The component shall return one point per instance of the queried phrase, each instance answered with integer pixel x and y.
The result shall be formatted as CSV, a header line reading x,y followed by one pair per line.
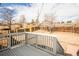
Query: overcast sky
x,y
62,12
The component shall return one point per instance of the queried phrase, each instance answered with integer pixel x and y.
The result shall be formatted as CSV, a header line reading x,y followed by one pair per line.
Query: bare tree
x,y
49,18
33,21
49,21
7,14
22,20
39,13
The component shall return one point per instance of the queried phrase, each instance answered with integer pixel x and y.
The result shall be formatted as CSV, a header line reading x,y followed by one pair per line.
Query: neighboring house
x,y
15,27
3,29
29,27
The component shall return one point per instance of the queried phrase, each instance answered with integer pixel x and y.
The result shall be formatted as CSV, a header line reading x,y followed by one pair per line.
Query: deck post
x,y
36,41
26,39
54,45
57,48
9,41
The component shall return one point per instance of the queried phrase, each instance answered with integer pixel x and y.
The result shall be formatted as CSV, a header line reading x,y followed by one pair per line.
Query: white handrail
x,y
47,41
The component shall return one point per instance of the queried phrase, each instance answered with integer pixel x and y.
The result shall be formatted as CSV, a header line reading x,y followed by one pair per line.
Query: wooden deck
x,y
30,44
25,50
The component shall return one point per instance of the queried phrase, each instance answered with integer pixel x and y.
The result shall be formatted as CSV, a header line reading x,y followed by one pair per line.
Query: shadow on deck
x,y
25,50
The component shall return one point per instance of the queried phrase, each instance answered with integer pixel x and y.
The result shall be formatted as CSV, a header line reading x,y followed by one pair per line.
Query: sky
x,y
61,11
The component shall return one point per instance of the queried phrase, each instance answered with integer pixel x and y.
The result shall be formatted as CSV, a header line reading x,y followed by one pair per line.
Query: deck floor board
x,y
24,51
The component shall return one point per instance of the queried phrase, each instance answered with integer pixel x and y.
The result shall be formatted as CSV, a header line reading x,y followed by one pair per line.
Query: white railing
x,y
45,42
